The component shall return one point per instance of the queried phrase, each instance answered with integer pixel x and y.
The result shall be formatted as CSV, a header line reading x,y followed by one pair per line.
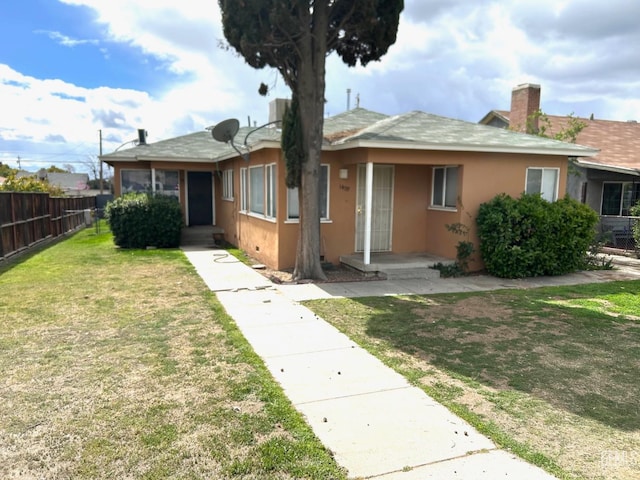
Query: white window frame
x,y
292,200
270,180
227,185
244,190
447,173
543,187
159,181
144,187
267,192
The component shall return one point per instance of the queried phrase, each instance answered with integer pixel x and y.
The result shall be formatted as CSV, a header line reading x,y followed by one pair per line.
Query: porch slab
x,y
201,236
396,266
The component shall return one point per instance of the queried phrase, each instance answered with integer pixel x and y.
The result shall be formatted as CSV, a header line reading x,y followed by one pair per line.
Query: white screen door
x,y
382,208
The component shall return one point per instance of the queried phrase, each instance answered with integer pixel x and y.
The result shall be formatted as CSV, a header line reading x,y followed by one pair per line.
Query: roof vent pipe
x,y
142,136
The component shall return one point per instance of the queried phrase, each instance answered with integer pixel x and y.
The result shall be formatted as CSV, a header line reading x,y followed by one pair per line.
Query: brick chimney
x,y
525,101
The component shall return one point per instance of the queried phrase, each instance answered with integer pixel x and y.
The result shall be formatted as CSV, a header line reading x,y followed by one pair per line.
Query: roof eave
x,y
609,168
151,158
493,114
568,152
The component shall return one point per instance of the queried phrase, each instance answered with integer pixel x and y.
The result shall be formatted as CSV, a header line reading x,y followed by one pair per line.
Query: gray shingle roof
x,y
428,131
194,147
361,128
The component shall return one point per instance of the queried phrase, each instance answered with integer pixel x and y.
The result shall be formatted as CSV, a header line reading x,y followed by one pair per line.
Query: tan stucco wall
x,y
256,236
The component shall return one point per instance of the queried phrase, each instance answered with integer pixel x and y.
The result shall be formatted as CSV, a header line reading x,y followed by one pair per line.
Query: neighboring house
x,y
415,173
74,184
608,182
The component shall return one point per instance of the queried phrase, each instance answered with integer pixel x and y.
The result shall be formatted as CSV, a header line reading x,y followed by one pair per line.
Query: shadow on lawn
x,y
575,358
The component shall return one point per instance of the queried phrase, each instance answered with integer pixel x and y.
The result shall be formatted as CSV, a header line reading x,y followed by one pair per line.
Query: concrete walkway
x,y
376,423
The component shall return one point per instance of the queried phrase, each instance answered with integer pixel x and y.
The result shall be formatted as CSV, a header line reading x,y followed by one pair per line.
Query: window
x,y
256,190
293,207
262,190
243,190
619,197
135,181
444,191
270,188
160,182
227,185
167,183
543,181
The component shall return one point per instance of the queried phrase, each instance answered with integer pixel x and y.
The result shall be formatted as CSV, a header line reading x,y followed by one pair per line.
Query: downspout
x,y
367,212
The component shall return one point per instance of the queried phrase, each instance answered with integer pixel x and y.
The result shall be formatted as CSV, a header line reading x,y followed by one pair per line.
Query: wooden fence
x,y
27,219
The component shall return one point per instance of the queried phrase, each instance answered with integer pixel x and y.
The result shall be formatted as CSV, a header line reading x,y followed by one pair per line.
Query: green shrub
x,y
529,236
140,220
464,250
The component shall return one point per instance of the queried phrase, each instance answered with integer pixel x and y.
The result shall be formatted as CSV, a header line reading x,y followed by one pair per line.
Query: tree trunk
x,y
310,92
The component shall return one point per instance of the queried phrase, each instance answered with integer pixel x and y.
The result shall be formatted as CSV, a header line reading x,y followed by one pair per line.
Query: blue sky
x,y
49,39
69,68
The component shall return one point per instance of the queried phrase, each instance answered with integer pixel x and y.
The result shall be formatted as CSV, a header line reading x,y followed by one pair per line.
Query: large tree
x,y
295,37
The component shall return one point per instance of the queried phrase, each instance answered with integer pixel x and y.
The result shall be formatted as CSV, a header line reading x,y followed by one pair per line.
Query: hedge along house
x,y
389,184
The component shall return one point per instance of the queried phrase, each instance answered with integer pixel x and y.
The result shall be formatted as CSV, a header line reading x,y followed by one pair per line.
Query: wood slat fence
x,y
27,219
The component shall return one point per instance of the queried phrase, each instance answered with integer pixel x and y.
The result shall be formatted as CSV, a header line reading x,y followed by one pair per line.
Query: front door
x,y
382,208
200,198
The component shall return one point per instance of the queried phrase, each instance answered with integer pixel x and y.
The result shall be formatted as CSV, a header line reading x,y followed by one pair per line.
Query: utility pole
x,y
100,160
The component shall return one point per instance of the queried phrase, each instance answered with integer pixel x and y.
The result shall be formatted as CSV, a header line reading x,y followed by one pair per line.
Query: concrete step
x,y
411,273
200,236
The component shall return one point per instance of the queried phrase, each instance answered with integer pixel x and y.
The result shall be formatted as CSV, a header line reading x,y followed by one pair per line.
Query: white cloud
x,y
65,40
186,37
452,57
30,102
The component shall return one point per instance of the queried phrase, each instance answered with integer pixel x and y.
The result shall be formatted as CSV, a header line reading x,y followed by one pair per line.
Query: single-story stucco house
x,y
420,172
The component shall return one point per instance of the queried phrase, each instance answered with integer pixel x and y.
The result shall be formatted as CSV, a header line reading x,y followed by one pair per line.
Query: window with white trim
x,y
167,183
543,181
293,207
619,197
444,187
262,190
244,194
135,181
227,185
256,190
270,190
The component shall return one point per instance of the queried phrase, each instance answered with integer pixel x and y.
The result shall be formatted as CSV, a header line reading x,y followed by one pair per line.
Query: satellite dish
x,y
226,130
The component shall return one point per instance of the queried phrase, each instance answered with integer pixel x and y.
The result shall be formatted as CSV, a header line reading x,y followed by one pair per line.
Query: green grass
x,y
121,364
552,374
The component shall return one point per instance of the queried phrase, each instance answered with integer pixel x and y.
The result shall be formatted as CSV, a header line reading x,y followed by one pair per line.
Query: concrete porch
x,y
395,266
201,236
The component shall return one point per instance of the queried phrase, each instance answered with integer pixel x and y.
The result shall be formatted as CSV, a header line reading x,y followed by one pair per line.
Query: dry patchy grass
x,y
120,364
551,373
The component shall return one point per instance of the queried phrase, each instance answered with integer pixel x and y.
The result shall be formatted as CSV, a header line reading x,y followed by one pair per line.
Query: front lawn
x,y
121,364
552,373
